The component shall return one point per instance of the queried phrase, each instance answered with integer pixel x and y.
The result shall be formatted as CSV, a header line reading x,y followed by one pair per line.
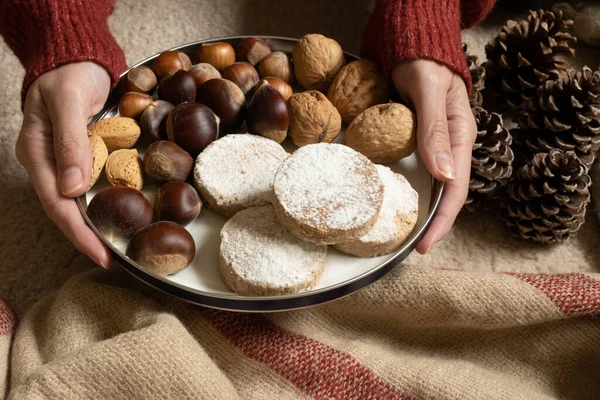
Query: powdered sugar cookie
x,y
396,220
236,172
327,193
259,257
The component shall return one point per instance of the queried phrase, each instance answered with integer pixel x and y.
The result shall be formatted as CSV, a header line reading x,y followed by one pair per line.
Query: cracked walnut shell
x,y
385,133
358,86
313,119
317,60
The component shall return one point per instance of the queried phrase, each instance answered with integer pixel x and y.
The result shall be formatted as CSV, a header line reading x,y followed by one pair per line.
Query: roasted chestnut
x,y
153,121
279,65
242,74
118,212
139,79
252,50
192,126
220,54
178,202
170,61
165,161
226,100
282,87
267,114
163,248
133,104
177,88
203,72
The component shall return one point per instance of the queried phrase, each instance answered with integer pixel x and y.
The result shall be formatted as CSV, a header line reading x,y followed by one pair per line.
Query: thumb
x,y
433,138
69,116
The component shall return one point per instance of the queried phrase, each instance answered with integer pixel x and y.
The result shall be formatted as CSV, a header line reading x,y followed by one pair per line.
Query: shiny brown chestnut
x,y
178,202
118,212
279,65
163,248
267,114
219,54
133,104
203,72
242,74
226,100
282,87
177,88
168,61
192,126
153,121
139,79
252,50
165,161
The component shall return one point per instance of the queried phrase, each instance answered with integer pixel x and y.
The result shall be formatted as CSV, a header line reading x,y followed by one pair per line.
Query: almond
x,y
117,132
124,168
99,156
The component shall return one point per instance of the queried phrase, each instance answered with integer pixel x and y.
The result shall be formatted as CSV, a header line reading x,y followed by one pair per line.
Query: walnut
x,y
385,133
317,60
313,119
358,86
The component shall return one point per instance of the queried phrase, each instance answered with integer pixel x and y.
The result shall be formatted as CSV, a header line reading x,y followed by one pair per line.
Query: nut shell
x,y
268,114
177,88
252,50
282,87
133,104
385,133
313,119
203,72
226,100
124,168
99,156
192,126
317,60
279,65
170,61
219,54
139,79
116,132
358,86
243,74
165,161
178,202
153,121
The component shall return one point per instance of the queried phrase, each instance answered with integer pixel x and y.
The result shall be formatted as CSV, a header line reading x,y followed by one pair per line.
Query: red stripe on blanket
x,y
574,294
7,319
316,369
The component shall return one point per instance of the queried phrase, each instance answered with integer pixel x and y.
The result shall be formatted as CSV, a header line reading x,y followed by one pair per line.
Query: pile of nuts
x,y
178,108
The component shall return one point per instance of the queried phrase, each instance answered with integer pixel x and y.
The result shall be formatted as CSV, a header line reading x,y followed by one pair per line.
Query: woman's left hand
x,y
446,131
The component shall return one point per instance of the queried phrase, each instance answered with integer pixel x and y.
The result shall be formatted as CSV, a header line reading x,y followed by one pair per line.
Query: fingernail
x,y
72,179
444,165
101,262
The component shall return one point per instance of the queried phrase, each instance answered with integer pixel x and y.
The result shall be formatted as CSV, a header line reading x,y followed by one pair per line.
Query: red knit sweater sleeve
x,y
401,30
45,34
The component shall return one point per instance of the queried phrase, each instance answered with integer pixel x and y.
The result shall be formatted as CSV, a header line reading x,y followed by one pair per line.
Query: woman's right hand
x,y
54,148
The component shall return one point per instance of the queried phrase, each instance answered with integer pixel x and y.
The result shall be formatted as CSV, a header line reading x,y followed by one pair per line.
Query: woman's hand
x,y
54,148
445,134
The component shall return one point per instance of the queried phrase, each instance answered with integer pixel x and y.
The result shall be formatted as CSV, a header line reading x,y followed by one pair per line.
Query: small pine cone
x,y
548,197
527,53
491,160
565,114
477,78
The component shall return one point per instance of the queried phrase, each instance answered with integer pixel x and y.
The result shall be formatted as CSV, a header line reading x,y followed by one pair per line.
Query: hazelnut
x,y
177,87
385,133
317,60
153,121
252,50
193,126
313,119
139,79
124,168
242,74
133,104
165,161
279,65
358,86
163,248
178,202
220,54
282,87
116,132
226,100
99,156
268,114
203,72
118,212
170,61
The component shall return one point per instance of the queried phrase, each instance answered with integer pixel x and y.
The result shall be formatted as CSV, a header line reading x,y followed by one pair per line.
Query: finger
x,y
432,133
37,156
71,144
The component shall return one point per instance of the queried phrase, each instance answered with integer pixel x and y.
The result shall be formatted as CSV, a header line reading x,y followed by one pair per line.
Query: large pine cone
x,y
548,197
527,53
565,114
477,72
491,160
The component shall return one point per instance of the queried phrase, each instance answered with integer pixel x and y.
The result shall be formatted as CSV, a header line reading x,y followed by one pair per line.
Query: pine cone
x,y
527,53
477,77
565,114
548,197
491,160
